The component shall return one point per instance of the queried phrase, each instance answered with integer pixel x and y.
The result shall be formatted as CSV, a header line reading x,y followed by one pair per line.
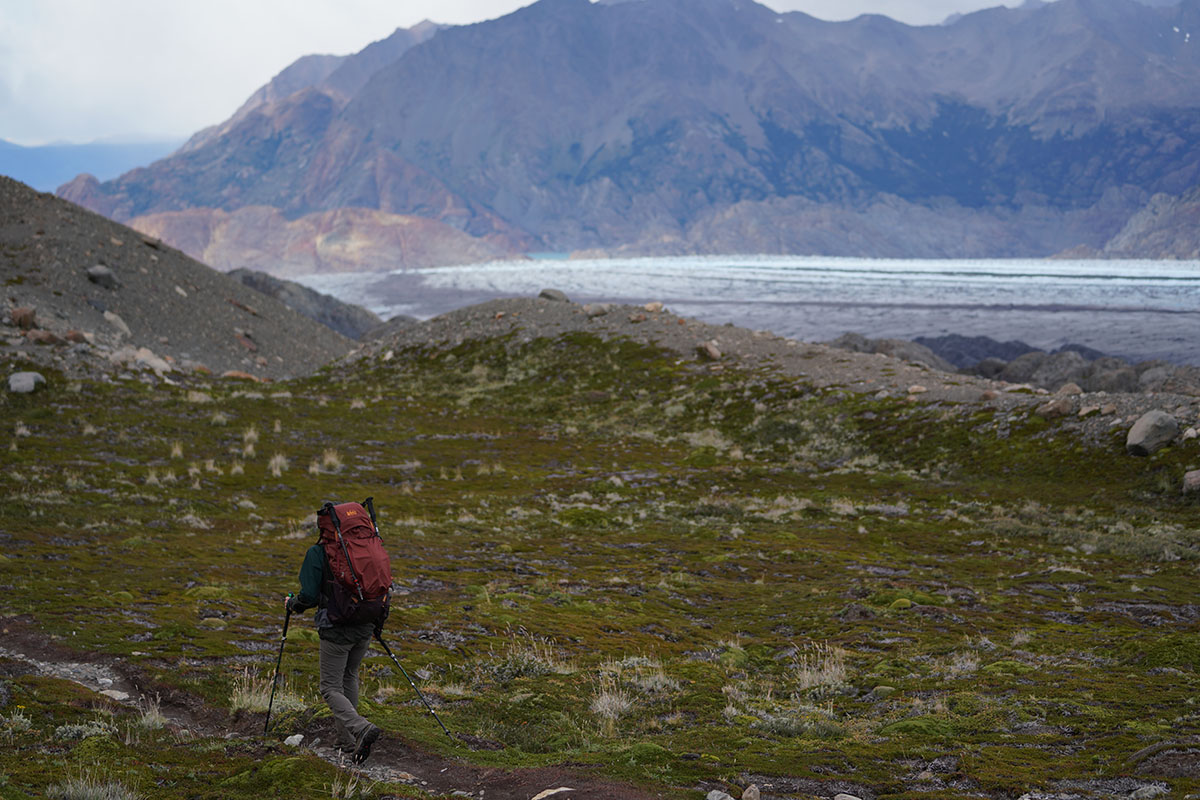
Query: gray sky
x,y
82,70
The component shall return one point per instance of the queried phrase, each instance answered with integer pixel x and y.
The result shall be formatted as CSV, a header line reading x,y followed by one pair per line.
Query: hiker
x,y
343,575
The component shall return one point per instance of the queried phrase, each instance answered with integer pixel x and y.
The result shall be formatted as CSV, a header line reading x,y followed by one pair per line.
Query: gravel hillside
x,y
1093,414
85,294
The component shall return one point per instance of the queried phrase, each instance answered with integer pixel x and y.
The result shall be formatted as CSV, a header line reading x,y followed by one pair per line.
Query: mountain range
x,y
45,167
701,126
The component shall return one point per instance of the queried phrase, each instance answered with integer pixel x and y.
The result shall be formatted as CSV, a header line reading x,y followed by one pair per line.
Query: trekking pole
x,y
396,661
275,682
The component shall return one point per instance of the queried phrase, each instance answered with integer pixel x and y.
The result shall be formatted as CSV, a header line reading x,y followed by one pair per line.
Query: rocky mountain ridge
x,y
664,126
349,320
89,296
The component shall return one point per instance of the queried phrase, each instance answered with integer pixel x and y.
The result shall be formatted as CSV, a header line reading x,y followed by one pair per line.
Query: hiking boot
x,y
364,744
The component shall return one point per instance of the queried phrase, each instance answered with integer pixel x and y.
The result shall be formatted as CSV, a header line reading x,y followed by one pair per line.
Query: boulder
x,y
596,309
913,352
1123,379
1060,406
1022,368
103,276
896,348
854,342
1070,389
122,356
1154,379
751,792
554,295
23,317
708,350
717,794
43,337
145,357
1059,369
1144,366
115,320
990,367
25,382
1153,431
1191,482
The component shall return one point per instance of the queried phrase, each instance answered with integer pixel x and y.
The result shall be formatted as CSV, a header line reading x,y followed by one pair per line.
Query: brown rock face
x,y
346,240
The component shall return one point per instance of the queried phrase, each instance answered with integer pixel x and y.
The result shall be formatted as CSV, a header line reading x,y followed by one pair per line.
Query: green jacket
x,y
312,583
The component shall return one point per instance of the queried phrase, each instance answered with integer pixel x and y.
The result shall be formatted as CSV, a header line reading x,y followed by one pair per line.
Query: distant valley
x,y
664,127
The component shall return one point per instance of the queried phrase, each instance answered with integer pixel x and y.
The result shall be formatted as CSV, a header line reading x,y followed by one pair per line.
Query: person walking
x,y
344,642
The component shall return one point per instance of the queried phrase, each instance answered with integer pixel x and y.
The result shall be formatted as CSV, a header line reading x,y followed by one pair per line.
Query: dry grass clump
x,y
89,785
176,449
152,717
331,460
642,673
785,505
346,785
961,664
219,418
252,692
822,665
278,465
843,507
610,703
526,656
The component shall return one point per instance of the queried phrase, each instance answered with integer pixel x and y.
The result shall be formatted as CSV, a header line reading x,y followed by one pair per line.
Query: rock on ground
x,y
25,382
1153,431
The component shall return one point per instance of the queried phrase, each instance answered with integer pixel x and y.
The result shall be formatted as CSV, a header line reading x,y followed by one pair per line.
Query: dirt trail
x,y
393,760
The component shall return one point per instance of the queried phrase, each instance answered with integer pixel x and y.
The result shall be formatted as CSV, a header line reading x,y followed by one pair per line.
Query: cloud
x,y
80,69
912,12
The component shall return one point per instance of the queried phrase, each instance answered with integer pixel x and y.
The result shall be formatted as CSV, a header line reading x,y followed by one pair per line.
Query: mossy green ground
x,y
609,557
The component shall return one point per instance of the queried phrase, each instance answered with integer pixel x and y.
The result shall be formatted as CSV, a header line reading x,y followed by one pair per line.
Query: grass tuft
x,y
278,465
89,785
252,692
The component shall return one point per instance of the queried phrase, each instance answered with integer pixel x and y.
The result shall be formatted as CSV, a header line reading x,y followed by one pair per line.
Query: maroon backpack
x,y
360,582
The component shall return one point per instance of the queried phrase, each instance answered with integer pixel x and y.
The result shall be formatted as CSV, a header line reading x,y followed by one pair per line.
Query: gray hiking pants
x,y
339,687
